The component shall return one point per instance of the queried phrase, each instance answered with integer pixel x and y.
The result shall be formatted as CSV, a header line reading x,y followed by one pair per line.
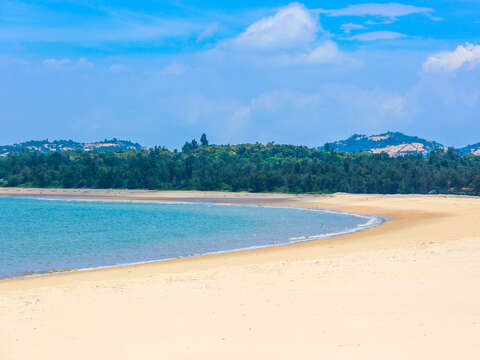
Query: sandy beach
x,y
408,289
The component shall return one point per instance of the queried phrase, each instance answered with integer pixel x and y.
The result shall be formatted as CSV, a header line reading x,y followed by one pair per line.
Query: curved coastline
x,y
347,297
341,244
372,222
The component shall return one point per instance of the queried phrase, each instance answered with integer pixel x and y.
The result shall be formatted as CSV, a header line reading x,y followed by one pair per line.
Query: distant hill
x,y
470,149
45,146
393,143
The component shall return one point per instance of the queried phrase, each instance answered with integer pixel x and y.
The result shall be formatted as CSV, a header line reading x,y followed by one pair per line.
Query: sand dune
x,y
407,289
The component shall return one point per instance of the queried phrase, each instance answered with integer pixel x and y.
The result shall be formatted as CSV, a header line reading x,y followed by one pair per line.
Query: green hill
x,y
45,146
470,149
393,143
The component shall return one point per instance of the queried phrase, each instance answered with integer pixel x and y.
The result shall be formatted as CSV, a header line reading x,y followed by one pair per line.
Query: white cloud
x,y
82,63
52,62
347,28
291,27
377,35
390,10
292,35
326,52
208,32
381,22
453,60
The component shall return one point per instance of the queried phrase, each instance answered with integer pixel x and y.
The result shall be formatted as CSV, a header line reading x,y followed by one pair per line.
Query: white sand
x,y
409,289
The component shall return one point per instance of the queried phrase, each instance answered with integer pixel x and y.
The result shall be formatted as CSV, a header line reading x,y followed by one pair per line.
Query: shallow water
x,y
38,236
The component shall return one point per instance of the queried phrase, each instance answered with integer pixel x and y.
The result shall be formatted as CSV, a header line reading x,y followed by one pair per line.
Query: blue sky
x,y
161,72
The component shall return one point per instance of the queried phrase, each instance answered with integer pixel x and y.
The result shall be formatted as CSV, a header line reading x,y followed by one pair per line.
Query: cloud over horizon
x,y
377,35
82,63
348,28
449,61
290,27
292,35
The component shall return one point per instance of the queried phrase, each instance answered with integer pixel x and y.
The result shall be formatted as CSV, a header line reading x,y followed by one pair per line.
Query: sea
x,y
39,236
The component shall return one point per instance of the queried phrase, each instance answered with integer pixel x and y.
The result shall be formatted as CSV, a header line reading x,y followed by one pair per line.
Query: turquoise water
x,y
37,236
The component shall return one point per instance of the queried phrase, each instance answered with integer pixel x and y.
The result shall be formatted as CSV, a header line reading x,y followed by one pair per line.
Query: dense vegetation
x,y
249,167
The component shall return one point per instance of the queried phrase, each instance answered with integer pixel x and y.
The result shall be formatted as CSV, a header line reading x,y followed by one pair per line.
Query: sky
x,y
163,72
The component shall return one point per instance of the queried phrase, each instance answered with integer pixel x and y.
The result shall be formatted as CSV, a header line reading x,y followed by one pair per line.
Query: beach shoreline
x,y
371,222
393,271
221,198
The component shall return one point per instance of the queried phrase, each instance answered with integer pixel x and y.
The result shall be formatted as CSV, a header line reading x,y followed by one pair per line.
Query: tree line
x,y
246,167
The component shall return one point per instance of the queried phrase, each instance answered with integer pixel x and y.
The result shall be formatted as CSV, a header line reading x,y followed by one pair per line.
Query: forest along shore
x,y
247,167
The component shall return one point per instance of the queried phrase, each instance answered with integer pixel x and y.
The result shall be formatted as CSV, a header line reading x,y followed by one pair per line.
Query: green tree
x,y
204,140
476,185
